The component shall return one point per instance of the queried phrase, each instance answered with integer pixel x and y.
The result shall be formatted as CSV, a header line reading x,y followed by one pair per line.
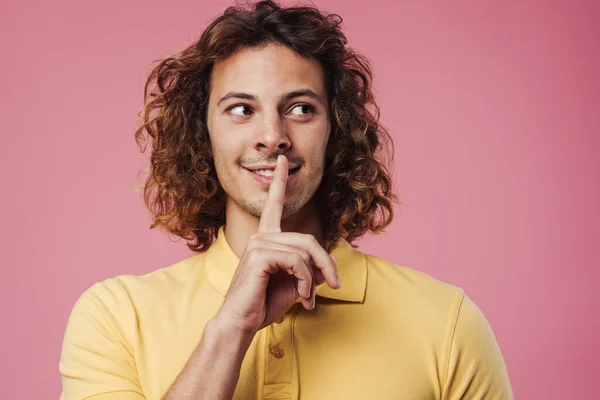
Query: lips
x,y
269,171
265,175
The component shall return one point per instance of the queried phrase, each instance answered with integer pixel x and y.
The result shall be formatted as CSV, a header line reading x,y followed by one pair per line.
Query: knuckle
x,y
312,241
298,260
276,200
251,245
255,243
305,256
254,254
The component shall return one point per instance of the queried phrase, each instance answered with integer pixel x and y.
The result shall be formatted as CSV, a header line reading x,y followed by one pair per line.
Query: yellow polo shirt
x,y
390,332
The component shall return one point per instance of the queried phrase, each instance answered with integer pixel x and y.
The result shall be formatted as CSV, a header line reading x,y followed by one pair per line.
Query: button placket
x,y
280,360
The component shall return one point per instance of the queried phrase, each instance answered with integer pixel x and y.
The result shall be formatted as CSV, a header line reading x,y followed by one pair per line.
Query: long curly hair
x,y
182,191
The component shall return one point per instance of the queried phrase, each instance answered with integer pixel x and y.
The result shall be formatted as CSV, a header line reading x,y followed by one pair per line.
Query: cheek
x,y
316,145
223,135
221,156
226,145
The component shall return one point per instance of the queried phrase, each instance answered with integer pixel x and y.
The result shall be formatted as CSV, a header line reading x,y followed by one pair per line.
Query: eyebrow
x,y
284,97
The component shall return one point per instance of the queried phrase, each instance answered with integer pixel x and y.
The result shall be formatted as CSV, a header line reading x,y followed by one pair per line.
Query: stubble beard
x,y
255,207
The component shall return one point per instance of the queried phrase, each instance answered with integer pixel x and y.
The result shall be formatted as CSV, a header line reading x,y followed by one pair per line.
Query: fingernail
x,y
339,281
313,304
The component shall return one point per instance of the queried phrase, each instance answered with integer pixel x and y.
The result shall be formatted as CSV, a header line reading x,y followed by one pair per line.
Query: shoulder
x,y
123,295
103,328
415,298
404,284
473,365
163,280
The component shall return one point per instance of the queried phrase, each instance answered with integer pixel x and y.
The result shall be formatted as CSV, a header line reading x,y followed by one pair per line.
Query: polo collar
x,y
221,263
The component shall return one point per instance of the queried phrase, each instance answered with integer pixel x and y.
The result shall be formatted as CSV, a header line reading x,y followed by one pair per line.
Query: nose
x,y
273,137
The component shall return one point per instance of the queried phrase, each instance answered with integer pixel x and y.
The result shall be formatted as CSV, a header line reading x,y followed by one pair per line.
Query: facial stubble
x,y
255,207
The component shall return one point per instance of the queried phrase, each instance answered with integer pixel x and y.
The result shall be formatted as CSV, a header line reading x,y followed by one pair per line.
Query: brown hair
x,y
182,191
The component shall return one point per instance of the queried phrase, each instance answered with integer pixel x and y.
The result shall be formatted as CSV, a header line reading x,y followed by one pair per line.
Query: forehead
x,y
267,71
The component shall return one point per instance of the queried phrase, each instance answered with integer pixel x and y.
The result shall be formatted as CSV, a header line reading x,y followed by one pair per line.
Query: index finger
x,y
270,219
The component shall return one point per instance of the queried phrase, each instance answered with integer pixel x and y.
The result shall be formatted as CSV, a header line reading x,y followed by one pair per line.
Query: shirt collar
x,y
221,263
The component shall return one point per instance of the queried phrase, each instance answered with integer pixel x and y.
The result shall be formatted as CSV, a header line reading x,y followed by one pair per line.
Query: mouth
x,y
269,172
266,175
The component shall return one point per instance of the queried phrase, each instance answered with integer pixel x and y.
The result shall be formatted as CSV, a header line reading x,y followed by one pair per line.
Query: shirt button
x,y
277,352
280,320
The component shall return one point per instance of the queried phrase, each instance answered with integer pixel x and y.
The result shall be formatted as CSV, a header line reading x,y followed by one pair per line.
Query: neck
x,y
240,225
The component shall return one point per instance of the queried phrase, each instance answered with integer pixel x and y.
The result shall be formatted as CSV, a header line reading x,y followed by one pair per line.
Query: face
x,y
265,102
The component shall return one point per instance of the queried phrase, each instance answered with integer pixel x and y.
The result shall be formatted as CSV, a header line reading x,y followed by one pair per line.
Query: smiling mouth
x,y
268,173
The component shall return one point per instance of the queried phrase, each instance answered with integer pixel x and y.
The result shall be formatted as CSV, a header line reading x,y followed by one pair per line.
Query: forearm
x,y
213,369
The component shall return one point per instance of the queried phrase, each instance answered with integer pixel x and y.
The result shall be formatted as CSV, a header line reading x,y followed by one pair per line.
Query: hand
x,y
276,268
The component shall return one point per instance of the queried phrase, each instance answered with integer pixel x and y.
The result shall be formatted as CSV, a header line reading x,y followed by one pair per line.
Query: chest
x,y
295,359
329,354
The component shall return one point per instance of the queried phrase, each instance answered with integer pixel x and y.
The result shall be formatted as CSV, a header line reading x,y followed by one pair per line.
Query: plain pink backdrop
x,y
494,109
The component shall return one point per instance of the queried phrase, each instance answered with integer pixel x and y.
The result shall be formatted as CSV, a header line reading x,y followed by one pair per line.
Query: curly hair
x,y
182,191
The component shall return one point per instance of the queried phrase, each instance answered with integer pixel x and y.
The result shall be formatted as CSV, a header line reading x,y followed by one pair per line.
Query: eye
x,y
302,109
240,110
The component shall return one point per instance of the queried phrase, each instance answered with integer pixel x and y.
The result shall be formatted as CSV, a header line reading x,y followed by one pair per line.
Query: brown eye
x,y
241,110
302,109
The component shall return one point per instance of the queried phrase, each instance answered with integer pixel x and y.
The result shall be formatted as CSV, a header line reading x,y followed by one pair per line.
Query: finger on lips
x,y
270,219
317,266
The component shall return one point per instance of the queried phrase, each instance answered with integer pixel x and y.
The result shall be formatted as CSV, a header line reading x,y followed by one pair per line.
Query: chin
x,y
255,207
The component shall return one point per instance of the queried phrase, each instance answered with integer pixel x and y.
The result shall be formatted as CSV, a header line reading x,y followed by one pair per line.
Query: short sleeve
x,y
97,360
476,368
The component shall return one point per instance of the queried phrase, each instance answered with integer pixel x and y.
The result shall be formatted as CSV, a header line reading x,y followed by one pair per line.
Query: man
x,y
264,153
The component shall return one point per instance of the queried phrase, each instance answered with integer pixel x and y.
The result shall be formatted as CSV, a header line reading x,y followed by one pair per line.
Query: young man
x,y
264,142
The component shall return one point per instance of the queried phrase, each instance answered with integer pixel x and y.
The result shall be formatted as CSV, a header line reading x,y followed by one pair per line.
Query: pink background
x,y
495,113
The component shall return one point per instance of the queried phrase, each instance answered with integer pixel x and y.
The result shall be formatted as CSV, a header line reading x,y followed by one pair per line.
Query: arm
x,y
217,359
476,368
299,264
97,360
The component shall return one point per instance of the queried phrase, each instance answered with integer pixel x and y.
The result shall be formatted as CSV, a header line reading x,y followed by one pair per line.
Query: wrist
x,y
230,330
